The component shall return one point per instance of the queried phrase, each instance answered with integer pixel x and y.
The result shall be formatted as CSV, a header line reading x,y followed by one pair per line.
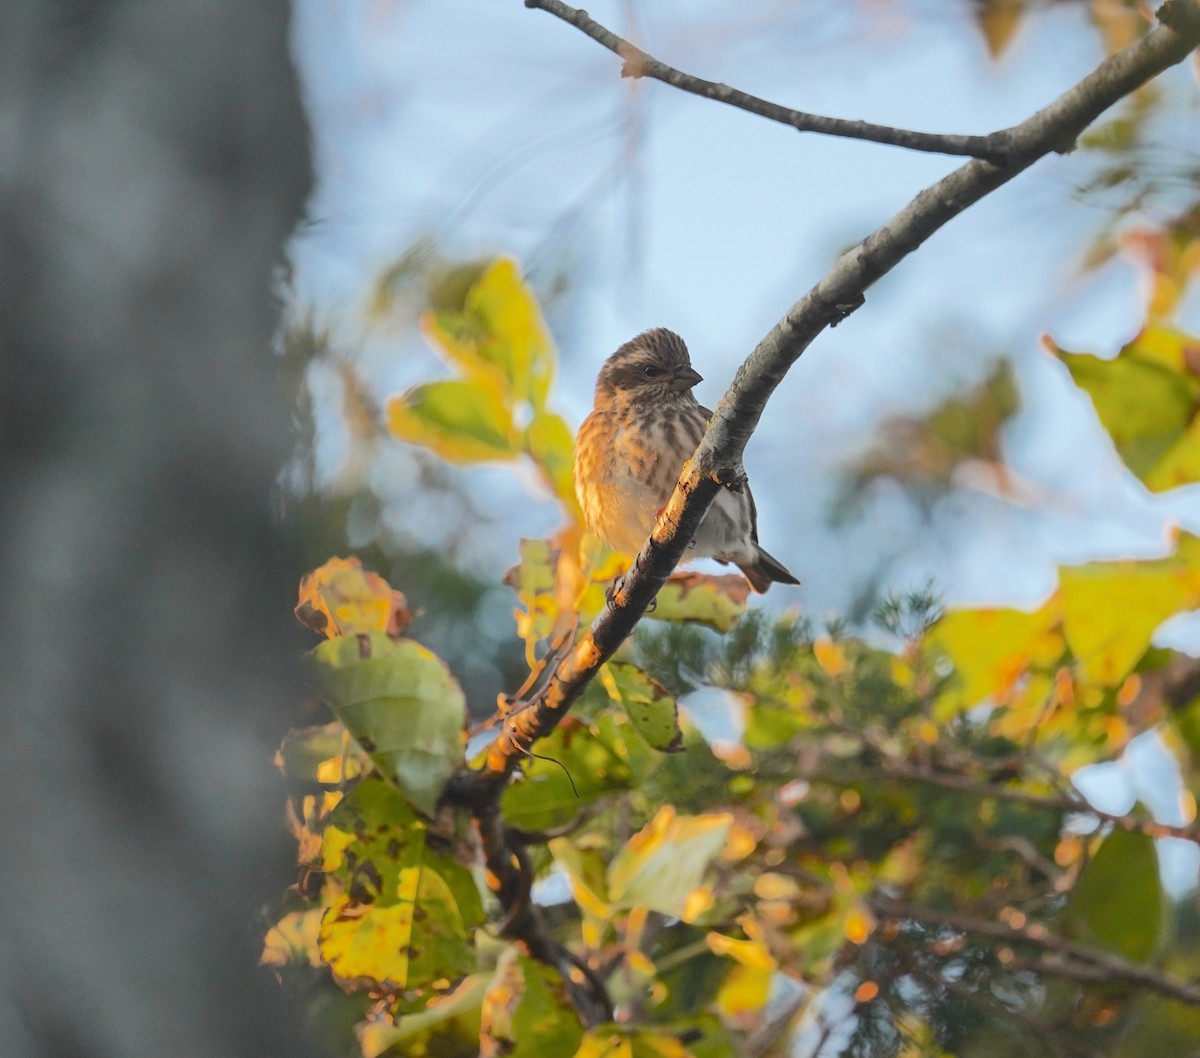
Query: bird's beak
x,y
684,378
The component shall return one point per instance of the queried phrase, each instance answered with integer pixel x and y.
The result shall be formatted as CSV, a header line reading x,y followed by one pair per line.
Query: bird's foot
x,y
614,589
732,478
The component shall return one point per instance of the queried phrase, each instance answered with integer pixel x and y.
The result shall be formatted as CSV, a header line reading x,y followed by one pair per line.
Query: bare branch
x,y
639,64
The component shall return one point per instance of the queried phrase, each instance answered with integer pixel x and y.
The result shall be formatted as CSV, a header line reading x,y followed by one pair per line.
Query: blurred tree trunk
x,y
153,160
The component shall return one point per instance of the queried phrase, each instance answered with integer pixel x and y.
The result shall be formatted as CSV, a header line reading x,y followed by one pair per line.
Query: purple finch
x,y
631,449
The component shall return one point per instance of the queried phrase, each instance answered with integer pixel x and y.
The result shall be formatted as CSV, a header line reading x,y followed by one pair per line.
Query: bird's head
x,y
653,366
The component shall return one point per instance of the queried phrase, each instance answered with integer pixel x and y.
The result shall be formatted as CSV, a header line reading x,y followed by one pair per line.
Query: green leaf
x,y
404,916
461,421
702,598
319,754
648,704
1146,398
400,702
545,797
1118,901
527,1012
450,1026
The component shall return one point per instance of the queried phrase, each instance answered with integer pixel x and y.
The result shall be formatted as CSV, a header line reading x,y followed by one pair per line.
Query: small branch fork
x,y
993,148
717,461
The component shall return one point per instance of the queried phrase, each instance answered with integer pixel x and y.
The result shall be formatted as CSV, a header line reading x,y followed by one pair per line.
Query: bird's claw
x,y
733,479
613,590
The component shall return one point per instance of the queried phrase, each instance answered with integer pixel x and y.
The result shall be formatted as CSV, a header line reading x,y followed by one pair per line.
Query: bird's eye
x,y
650,371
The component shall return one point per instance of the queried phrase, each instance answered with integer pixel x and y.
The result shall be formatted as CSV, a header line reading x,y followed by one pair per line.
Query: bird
x,y
644,425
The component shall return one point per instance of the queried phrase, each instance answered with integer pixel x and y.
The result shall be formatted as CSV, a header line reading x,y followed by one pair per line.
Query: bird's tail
x,y
765,571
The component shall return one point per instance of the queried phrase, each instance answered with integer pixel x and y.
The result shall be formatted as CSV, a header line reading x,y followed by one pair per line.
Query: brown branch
x,y
638,63
1062,957
510,877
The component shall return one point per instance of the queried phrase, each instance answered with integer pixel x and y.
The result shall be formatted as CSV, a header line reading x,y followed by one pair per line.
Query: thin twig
x,y
1097,965
986,1003
638,63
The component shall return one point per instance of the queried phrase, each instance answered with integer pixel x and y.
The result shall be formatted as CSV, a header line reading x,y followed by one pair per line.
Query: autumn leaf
x,y
401,704
403,916
1146,398
461,421
717,601
991,650
341,598
1110,610
662,867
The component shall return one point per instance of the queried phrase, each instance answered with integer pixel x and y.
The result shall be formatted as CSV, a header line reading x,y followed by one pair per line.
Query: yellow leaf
x,y
858,924
293,939
745,990
1111,609
584,874
750,953
461,421
535,581
1145,398
367,944
498,336
341,598
990,649
830,655
603,1044
550,443
515,325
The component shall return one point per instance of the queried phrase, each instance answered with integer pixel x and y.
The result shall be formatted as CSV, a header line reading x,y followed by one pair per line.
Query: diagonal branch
x,y
638,64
